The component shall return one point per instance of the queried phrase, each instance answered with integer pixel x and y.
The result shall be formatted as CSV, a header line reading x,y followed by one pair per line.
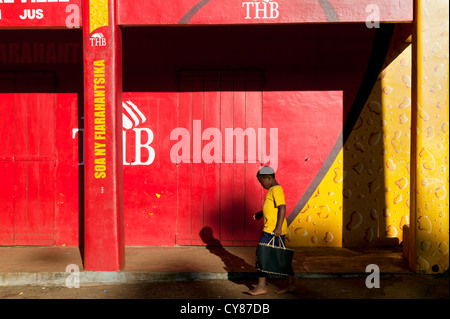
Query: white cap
x,y
266,170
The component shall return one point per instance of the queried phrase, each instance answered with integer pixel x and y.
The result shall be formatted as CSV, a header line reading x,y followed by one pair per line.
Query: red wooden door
x,y
27,159
218,192
6,160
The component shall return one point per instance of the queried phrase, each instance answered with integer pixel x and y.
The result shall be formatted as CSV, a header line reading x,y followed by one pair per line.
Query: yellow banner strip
x,y
98,14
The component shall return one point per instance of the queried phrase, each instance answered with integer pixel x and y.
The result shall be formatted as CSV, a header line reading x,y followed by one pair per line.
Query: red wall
x,y
154,12
311,74
57,54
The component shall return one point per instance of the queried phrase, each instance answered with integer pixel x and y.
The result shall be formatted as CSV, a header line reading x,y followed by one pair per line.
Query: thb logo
x,y
261,9
132,116
134,137
99,40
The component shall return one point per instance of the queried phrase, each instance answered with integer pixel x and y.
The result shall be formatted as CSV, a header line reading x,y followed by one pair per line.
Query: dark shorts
x,y
265,238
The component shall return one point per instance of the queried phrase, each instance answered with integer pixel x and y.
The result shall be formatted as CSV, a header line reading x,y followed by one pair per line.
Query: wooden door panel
x,y
27,159
217,188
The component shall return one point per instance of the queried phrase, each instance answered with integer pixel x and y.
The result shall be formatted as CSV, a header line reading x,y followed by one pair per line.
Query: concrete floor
x,y
201,259
391,287
212,272
47,265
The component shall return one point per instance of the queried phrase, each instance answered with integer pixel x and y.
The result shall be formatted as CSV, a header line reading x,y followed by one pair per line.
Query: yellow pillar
x,y
429,238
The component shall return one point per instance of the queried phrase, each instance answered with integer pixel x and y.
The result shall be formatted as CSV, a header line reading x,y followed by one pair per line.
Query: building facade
x,y
143,123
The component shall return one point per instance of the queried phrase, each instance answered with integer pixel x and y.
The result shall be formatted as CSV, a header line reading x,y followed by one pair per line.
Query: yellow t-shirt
x,y
274,198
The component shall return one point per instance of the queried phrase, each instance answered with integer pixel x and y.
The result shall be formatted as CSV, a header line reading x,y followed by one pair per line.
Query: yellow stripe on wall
x,y
431,208
364,198
98,14
319,223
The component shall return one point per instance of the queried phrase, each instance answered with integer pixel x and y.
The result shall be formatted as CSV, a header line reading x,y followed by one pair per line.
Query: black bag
x,y
274,259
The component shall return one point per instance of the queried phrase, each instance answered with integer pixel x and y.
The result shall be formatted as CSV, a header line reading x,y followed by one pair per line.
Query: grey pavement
x,y
47,265
211,272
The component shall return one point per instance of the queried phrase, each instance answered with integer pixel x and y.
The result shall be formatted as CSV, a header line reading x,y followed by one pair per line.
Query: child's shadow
x,y
237,268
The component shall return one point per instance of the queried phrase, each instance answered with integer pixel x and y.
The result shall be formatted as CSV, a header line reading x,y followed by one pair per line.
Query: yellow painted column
x,y
429,237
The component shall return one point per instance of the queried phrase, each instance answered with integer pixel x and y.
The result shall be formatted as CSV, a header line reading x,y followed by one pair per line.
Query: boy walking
x,y
274,213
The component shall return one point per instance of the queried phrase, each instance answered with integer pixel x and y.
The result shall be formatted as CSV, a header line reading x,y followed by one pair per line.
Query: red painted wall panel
x,y
253,189
197,195
46,199
307,131
31,216
183,199
7,202
211,171
67,13
28,159
153,12
29,57
238,202
20,201
39,14
307,106
150,196
215,197
227,177
6,161
184,184
299,85
68,172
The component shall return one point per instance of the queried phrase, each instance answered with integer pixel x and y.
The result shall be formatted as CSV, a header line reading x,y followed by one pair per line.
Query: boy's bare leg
x,y
260,288
289,286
